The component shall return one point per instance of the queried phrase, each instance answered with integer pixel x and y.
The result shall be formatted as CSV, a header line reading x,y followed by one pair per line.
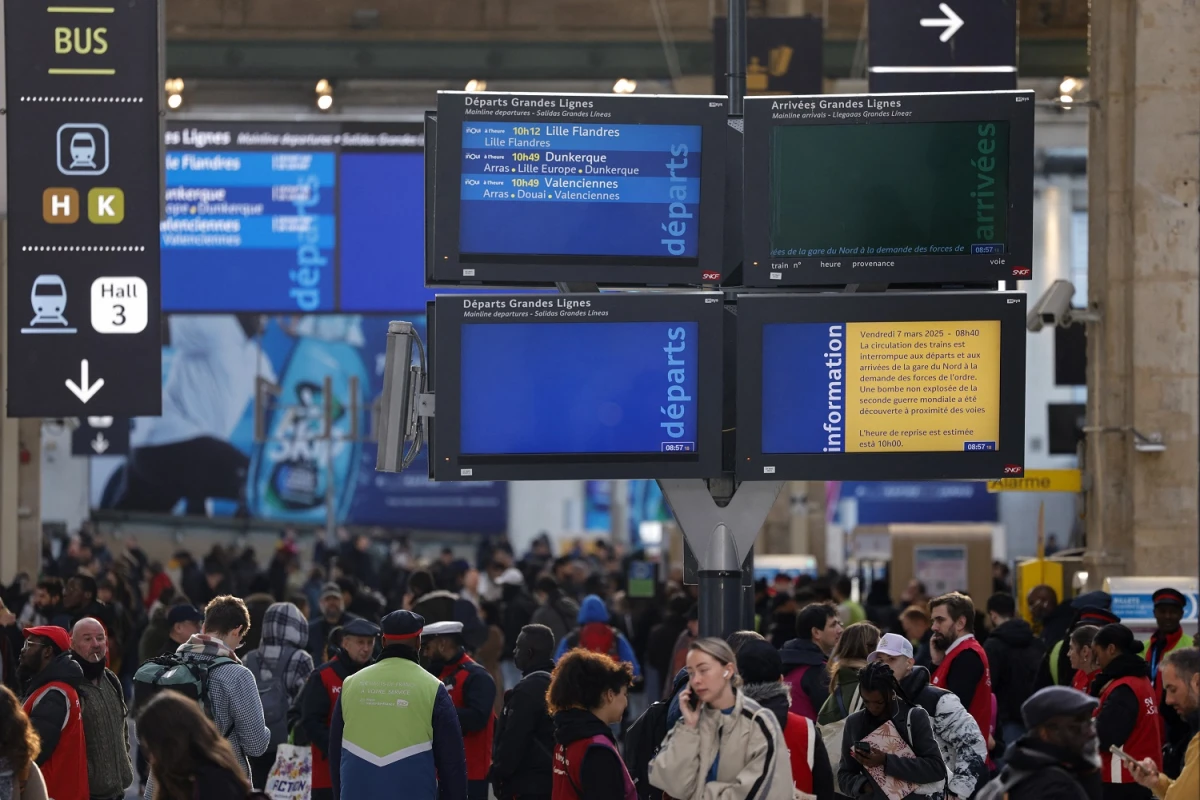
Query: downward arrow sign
x,y
82,390
100,444
951,23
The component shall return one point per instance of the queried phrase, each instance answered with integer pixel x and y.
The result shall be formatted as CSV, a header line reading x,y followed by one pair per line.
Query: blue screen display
x,y
593,387
580,190
794,404
294,231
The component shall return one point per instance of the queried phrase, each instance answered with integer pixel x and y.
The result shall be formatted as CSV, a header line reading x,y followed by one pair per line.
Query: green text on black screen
x,y
889,189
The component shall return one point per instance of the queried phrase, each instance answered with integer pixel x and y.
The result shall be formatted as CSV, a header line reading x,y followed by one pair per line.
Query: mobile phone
x,y
1120,753
863,748
693,699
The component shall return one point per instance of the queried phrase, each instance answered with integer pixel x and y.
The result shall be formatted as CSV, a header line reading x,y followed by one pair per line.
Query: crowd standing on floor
x,y
541,678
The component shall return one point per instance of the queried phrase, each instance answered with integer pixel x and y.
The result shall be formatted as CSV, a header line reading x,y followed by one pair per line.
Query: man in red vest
x,y
473,692
962,664
320,695
51,679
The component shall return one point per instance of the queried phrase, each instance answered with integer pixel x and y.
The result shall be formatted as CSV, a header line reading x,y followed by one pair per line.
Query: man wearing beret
x,y
394,732
1168,613
1059,757
320,695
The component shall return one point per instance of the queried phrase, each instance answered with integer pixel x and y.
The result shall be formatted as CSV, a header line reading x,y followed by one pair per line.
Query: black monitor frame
x,y
446,266
755,311
448,463
763,270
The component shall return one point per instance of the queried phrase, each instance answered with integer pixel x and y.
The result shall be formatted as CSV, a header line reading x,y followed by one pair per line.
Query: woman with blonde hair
x,y
726,745
849,656
20,778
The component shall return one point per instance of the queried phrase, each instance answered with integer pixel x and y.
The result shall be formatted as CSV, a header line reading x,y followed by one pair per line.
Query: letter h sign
x,y
105,205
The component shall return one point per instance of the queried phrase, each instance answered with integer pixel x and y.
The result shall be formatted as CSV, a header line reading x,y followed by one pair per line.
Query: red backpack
x,y
599,637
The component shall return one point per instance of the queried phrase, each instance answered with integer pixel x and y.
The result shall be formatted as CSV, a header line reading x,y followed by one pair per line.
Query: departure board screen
x,y
560,386
581,190
625,387
889,189
293,217
902,386
542,189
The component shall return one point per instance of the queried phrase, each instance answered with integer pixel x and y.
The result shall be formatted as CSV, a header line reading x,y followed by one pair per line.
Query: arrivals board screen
x,y
908,189
886,386
609,189
293,217
559,386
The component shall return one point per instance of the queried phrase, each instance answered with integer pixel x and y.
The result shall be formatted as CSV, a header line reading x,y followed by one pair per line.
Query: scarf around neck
x,y
202,644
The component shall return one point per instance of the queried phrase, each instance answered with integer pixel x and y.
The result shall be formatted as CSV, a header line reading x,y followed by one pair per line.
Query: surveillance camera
x,y
1052,308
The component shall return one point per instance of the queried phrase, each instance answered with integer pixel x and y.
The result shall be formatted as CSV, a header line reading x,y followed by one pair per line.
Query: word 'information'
x,y
869,387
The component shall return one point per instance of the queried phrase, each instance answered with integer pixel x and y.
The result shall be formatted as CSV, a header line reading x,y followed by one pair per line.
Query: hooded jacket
x,y
777,698
593,610
926,769
602,774
1040,771
1014,658
747,744
804,670
281,652
961,744
522,752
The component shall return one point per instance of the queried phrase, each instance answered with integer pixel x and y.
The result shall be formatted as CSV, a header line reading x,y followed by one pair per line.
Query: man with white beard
x,y
110,772
1059,757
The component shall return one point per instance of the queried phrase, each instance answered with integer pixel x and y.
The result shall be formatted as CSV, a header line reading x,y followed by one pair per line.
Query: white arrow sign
x,y
82,390
100,444
952,22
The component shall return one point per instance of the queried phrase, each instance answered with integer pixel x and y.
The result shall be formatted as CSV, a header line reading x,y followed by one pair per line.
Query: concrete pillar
x,y
1144,266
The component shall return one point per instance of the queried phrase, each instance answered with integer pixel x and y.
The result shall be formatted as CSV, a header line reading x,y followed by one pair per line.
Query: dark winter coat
x,y
815,683
523,748
602,776
926,769
1014,657
1049,773
776,698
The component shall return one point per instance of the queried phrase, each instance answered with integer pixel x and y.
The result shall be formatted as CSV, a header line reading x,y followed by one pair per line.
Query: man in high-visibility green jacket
x,y
395,731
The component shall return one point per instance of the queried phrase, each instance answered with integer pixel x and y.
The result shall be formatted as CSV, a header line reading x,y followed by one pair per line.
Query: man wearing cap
x,y
333,615
394,731
1059,758
52,679
321,692
473,692
183,622
1168,613
959,739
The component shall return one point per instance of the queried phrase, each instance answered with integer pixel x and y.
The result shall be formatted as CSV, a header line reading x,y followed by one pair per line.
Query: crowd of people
x,y
541,678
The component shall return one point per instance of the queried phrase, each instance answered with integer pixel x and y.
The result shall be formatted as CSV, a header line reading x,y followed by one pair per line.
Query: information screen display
x,y
608,189
564,386
908,386
559,189
891,189
293,217
624,387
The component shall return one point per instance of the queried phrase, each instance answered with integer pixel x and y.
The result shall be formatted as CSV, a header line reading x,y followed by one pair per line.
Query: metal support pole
x,y
720,537
736,63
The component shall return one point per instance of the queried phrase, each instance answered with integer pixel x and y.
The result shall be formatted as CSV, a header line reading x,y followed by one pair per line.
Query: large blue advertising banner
x,y
201,457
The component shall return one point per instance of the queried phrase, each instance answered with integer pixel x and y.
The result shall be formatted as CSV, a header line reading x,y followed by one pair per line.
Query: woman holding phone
x,y
726,746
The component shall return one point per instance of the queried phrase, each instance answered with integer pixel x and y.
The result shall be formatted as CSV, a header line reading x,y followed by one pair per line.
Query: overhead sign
x,y
101,436
951,46
1041,480
783,55
84,86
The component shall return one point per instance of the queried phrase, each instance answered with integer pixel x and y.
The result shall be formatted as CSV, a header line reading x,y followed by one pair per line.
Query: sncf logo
x,y
1014,469
710,276
1021,272
337,690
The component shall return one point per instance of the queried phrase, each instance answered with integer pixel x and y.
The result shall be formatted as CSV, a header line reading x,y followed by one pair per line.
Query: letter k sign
x,y
106,205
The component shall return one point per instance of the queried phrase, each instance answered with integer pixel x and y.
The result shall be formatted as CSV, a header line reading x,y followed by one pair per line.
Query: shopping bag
x,y
291,777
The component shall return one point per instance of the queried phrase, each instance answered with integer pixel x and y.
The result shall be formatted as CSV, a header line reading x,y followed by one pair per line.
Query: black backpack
x,y
643,740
